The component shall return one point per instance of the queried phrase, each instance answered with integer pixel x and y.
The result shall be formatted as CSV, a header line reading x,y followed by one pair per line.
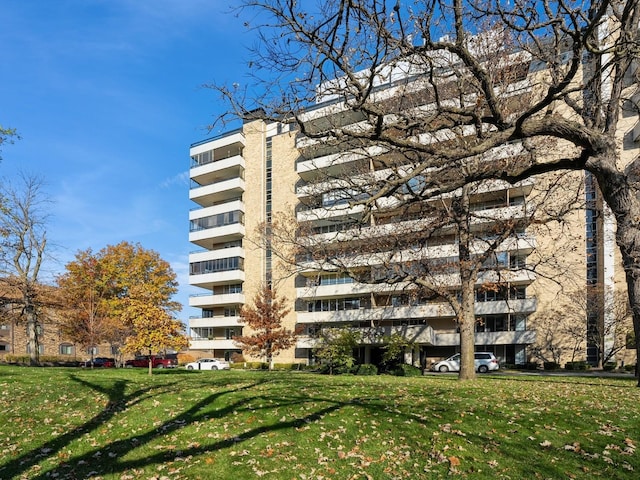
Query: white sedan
x,y
208,364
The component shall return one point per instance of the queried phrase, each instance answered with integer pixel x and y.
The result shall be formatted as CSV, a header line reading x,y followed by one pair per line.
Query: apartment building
x,y
242,179
238,180
51,343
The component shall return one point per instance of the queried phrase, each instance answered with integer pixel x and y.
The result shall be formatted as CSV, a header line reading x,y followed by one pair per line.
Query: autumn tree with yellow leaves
x,y
122,295
84,290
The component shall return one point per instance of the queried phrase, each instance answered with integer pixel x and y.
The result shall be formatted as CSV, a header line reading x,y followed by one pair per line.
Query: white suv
x,y
484,362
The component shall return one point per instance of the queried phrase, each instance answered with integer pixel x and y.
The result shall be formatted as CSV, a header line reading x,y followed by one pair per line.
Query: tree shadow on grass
x,y
85,465
116,398
117,401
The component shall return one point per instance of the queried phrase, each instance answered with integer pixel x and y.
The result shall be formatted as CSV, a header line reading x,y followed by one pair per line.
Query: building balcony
x,y
518,305
219,300
225,233
216,254
499,214
235,205
432,310
326,213
223,146
505,276
218,170
308,169
420,334
214,344
425,335
449,280
435,310
209,280
215,322
520,337
344,290
219,192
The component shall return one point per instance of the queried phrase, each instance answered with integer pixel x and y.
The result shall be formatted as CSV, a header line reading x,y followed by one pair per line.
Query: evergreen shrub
x,y
406,370
366,369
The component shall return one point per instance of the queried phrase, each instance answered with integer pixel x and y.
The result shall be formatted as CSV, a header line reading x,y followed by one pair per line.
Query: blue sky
x,y
107,97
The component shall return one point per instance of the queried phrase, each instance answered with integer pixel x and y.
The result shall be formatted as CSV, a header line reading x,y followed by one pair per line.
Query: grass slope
x,y
123,424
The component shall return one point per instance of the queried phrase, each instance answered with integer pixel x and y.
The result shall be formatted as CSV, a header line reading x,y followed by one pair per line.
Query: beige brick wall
x,y
283,200
14,338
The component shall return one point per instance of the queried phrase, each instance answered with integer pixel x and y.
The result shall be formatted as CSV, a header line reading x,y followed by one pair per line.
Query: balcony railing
x,y
518,337
428,310
425,335
213,344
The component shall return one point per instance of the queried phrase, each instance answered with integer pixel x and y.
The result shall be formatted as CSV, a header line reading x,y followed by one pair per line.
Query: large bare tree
x,y
448,252
461,79
23,221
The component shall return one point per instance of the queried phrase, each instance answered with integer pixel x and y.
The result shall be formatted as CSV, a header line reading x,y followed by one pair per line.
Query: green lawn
x,y
122,424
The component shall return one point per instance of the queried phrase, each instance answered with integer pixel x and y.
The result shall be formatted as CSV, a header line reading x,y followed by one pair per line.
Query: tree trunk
x,y
631,260
32,332
467,334
466,312
620,193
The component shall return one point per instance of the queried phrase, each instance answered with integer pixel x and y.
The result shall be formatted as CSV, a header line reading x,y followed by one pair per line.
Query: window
x,y
335,279
92,350
516,262
230,312
202,333
66,349
518,323
492,295
4,327
219,220
414,185
4,347
229,333
519,200
501,323
236,288
333,305
342,197
219,265
333,227
497,260
518,293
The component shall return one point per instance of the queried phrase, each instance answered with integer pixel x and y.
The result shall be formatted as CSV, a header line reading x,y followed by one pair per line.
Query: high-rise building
x,y
531,300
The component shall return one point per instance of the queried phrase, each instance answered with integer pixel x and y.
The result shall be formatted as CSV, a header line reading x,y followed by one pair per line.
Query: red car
x,y
157,362
100,362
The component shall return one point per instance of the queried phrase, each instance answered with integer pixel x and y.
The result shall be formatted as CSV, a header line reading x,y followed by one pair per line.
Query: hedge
x,y
365,369
406,370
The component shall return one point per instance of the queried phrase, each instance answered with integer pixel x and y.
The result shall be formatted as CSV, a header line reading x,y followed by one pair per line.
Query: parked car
x,y
170,361
208,364
100,362
484,361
